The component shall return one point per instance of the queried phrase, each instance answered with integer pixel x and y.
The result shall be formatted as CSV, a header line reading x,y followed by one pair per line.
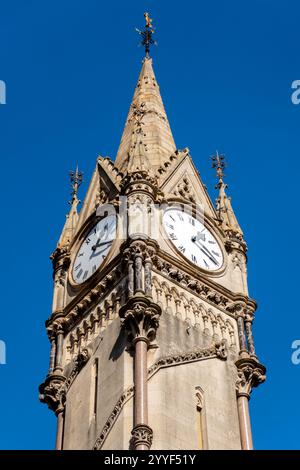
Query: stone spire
x,y
223,202
147,139
71,218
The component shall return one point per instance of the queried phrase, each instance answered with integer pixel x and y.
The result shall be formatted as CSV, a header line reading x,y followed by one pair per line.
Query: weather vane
x,y
146,34
76,178
218,162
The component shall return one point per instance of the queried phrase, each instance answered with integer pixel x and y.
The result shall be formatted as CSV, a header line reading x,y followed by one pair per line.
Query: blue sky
x,y
225,70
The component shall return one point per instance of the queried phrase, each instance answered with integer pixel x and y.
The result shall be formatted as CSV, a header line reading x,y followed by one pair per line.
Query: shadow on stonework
x,y
119,346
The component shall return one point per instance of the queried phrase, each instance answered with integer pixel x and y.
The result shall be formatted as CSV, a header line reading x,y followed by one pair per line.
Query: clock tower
x,y
151,324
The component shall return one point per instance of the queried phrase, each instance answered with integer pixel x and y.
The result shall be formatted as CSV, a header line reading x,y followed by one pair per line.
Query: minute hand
x,y
207,252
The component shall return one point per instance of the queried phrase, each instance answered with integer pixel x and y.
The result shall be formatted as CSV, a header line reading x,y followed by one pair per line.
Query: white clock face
x,y
193,239
94,249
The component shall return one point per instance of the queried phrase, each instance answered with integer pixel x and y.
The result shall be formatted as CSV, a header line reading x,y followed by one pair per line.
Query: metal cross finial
x,y
146,34
76,180
218,162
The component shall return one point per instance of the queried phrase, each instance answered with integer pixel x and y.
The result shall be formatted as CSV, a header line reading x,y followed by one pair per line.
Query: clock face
x,y
94,249
193,239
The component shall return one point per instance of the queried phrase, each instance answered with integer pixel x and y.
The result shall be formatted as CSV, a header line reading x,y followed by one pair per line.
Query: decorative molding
x,y
202,289
184,189
124,398
217,350
71,315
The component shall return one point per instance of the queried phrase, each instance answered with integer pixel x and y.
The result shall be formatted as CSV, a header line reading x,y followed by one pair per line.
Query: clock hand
x,y
205,250
98,244
101,251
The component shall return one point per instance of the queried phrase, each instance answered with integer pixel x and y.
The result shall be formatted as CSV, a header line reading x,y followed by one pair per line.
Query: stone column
x,y
250,341
138,271
59,429
242,337
141,433
130,278
250,374
53,392
52,355
147,276
59,351
140,316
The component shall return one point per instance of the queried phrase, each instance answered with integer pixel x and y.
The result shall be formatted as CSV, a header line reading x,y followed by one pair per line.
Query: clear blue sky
x,y
225,70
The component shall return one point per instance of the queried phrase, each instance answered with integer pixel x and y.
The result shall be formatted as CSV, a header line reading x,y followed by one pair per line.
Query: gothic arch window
x,y
201,427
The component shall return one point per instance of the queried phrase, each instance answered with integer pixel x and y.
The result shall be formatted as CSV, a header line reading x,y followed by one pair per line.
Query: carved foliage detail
x,y
141,435
54,390
250,374
141,319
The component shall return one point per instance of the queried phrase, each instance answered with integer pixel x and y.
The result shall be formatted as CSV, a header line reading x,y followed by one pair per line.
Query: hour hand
x,y
204,250
98,244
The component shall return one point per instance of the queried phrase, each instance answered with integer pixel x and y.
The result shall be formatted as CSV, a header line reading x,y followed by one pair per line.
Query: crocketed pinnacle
x,y
224,208
147,139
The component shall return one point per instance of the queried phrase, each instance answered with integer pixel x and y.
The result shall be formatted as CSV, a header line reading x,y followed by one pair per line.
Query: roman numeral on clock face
x,y
193,238
79,274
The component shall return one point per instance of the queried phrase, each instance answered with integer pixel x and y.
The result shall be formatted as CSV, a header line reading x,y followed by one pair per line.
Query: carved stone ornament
x,y
250,374
205,291
141,435
54,390
61,258
138,248
140,317
53,393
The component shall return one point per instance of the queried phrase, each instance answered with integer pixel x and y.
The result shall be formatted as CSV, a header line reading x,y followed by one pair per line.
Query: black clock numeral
x,y
171,217
192,221
77,267
85,275
205,263
181,248
211,242
80,254
215,253
194,259
170,226
173,236
79,273
180,216
87,241
94,268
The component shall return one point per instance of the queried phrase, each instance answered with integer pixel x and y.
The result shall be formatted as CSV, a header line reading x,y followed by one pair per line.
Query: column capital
x,y
145,248
53,392
140,317
250,374
142,435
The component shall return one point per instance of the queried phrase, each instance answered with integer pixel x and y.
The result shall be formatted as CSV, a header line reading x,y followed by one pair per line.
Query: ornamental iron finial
x,y
146,34
76,178
218,162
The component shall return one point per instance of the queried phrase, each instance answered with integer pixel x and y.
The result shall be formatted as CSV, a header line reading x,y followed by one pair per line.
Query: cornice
x,y
196,283
87,298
